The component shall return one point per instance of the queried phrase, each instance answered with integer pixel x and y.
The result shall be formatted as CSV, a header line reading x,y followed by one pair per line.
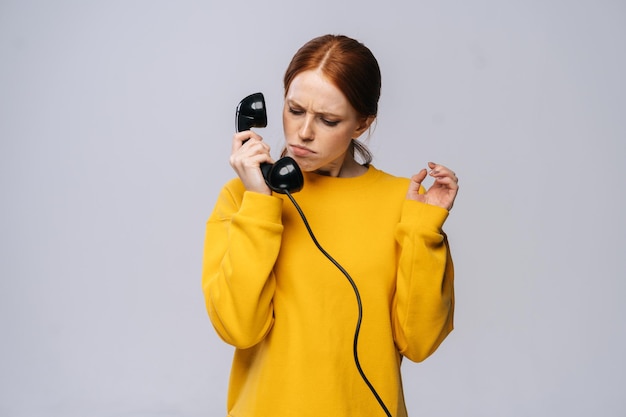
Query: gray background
x,y
115,125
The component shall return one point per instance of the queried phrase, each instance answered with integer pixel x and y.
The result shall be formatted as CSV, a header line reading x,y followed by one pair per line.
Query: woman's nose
x,y
306,130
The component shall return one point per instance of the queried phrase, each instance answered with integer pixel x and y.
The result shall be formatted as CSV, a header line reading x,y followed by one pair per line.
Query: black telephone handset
x,y
284,175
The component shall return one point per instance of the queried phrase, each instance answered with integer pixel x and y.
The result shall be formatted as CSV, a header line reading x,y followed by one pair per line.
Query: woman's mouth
x,y
301,151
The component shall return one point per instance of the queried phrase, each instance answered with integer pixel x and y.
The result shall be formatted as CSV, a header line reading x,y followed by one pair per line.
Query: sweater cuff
x,y
261,206
424,215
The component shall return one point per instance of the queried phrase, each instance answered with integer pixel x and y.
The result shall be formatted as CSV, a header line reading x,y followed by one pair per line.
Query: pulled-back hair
x,y
350,66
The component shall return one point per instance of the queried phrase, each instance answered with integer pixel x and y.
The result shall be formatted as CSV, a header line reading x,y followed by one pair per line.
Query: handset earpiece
x,y
251,112
284,175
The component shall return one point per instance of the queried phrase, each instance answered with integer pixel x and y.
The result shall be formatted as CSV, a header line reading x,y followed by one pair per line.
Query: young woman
x,y
270,292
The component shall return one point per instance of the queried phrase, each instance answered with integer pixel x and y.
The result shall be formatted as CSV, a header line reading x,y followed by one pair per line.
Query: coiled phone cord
x,y
358,300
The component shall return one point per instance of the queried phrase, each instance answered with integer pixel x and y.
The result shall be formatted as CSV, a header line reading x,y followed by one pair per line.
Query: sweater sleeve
x,y
424,298
242,242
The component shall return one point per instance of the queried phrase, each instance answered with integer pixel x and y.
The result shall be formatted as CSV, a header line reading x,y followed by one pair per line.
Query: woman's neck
x,y
348,169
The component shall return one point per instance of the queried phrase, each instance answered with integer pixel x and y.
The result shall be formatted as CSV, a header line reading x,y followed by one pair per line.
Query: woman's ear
x,y
365,124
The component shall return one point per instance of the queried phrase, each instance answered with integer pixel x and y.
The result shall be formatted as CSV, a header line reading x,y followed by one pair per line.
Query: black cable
x,y
358,300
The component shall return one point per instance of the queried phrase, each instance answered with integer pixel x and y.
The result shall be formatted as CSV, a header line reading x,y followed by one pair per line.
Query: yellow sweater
x,y
291,314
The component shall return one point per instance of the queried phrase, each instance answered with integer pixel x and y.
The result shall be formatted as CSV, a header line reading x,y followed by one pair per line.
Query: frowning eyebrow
x,y
293,103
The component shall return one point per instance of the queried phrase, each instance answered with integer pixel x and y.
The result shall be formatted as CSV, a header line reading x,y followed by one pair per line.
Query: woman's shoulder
x,y
234,185
232,192
386,177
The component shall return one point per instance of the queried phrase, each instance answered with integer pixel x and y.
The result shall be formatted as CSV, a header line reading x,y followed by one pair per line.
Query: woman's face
x,y
319,124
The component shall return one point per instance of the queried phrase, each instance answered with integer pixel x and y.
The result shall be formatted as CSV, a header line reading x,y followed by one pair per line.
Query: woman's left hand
x,y
443,191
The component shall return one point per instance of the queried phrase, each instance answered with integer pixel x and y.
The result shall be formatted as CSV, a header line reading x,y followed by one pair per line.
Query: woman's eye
x,y
295,111
330,123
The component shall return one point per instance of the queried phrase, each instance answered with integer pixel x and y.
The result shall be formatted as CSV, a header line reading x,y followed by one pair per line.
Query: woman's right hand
x,y
248,152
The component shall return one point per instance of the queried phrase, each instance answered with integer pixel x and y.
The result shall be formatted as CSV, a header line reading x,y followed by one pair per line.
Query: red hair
x,y
347,63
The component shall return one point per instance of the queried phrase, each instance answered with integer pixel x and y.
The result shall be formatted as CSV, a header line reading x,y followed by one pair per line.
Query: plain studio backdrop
x,y
115,124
